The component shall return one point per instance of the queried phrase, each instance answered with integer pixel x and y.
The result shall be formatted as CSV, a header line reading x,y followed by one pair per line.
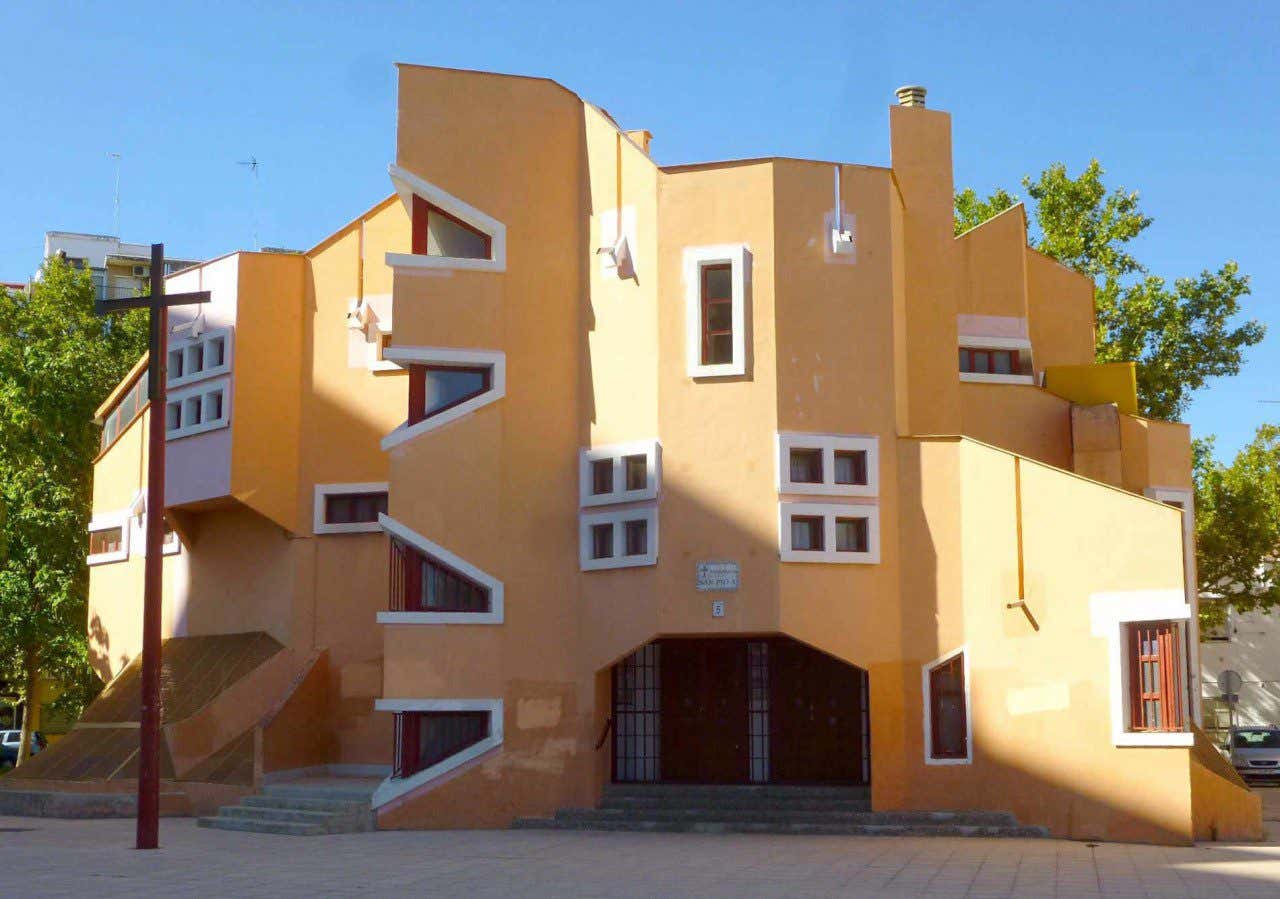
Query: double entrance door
x,y
736,711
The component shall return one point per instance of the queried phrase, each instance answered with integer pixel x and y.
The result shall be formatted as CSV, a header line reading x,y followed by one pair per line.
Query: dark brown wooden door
x,y
815,717
704,711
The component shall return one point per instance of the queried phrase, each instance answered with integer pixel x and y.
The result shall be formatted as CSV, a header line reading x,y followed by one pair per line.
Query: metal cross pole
x,y
157,305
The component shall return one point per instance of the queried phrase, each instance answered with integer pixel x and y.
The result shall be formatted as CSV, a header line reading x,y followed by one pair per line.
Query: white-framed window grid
x,y
829,445
738,257
320,523
618,457
617,522
927,695
192,359
112,521
829,514
197,409
1019,346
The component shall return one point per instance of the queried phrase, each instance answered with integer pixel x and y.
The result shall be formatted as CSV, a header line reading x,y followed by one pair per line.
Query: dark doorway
x,y
768,710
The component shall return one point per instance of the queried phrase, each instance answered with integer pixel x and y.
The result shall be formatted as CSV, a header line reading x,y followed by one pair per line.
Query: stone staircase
x,y
663,808
308,807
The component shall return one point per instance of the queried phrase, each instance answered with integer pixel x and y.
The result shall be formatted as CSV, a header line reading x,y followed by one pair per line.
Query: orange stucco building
x,y
561,468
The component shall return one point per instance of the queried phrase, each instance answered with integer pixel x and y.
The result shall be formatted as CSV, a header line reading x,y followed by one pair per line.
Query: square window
x,y
191,411
851,467
602,541
193,359
637,468
636,534
852,535
212,406
806,466
806,533
601,477
215,352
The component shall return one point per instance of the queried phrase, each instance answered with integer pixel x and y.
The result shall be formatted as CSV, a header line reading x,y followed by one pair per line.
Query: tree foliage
x,y
58,360
1238,526
1180,334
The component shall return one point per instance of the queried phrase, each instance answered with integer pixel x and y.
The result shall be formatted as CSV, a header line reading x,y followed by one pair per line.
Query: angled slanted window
x,y
437,233
437,388
424,739
447,231
431,585
445,384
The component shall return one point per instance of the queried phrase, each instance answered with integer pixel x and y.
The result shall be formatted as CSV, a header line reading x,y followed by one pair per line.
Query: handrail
x,y
604,734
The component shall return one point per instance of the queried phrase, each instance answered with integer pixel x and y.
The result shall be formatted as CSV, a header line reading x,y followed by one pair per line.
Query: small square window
x,y
806,533
636,534
637,468
175,364
194,359
601,477
215,352
806,466
602,541
851,467
212,407
173,416
852,535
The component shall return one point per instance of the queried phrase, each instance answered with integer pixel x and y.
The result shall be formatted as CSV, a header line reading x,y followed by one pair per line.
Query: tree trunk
x,y
32,705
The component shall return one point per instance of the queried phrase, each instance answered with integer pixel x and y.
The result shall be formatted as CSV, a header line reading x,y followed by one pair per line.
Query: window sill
x,y
108,558
980,378
348,527
727,370
196,377
440,617
412,263
829,557
193,430
624,562
963,761
1171,738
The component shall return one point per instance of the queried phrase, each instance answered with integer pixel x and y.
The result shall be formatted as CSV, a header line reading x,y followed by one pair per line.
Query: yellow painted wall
x,y
1060,308
1089,384
994,266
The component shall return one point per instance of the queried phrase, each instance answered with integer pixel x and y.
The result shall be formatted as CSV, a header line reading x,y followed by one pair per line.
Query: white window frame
x,y
185,343
618,518
927,693
448,560
392,788
1022,344
407,185
1109,615
202,390
377,359
829,512
496,360
738,256
320,526
829,444
106,522
650,449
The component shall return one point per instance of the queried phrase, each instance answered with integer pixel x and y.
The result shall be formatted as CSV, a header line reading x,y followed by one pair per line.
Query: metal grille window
x,y
637,714
421,584
948,730
758,710
1155,676
423,739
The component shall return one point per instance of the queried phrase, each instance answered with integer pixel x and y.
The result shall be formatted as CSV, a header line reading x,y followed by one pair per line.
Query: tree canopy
x,y
1180,334
58,360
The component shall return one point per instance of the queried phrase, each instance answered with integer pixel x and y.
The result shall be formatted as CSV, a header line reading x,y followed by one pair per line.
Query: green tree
x,y
1238,527
1180,335
57,362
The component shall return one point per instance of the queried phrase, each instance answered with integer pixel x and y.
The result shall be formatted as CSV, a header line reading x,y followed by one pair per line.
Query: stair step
x,y
307,791
730,791
259,813
782,827
254,825
307,803
638,803
799,816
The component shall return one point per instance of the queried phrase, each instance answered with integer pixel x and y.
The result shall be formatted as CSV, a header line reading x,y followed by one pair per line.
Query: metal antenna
x,y
116,157
252,164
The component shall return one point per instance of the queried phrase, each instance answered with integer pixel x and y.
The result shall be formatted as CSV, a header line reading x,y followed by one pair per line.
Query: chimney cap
x,y
911,95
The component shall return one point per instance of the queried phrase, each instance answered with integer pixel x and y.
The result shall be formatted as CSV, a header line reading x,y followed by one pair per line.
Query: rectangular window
x,y
806,533
436,388
354,508
437,233
107,540
130,407
637,468
636,537
1155,676
424,739
992,361
947,710
601,477
602,541
806,466
717,314
851,467
420,583
852,535
620,473
171,543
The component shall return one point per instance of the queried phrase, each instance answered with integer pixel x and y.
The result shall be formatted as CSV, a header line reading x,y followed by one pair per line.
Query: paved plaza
x,y
50,857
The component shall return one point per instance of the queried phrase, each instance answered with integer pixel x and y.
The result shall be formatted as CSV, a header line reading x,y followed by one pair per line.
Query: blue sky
x,y
1175,101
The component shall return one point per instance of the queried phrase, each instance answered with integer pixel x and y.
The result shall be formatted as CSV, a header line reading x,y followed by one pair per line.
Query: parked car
x,y
1255,752
9,740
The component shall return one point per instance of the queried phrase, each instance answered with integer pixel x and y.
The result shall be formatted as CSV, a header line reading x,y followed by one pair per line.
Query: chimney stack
x,y
911,95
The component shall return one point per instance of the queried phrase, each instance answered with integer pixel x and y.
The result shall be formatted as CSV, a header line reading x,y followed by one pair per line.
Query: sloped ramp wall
x,y
1222,805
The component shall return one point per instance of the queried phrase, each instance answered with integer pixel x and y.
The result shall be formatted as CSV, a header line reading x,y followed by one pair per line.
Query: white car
x,y
1255,752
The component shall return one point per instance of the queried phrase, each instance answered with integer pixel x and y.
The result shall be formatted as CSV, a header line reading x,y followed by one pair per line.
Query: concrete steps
x,y
300,809
663,808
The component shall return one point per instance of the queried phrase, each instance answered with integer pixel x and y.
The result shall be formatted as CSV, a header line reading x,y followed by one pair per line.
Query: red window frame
x,y
418,389
347,508
982,361
707,302
858,460
1155,682
862,534
407,564
422,211
456,731
958,748
817,526
103,544
811,459
635,537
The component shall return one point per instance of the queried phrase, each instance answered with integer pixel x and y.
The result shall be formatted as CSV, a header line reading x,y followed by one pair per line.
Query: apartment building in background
x,y
560,469
118,269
